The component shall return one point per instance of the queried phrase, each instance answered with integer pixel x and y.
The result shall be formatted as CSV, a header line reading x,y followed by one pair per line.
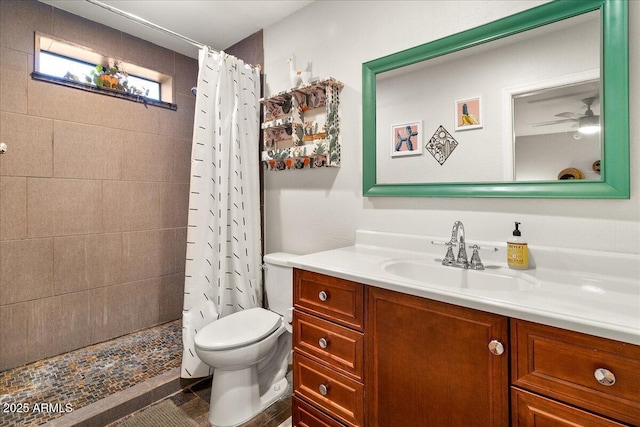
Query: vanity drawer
x,y
531,410
305,415
562,364
320,340
328,390
328,297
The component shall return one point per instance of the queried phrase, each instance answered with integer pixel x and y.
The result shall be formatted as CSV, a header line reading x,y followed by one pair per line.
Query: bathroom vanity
x,y
378,343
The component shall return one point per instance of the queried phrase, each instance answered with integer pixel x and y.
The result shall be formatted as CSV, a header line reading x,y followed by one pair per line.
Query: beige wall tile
x,y
63,103
26,270
182,160
175,206
103,259
18,21
147,157
14,69
171,297
129,307
145,54
85,151
59,207
87,262
100,38
30,145
57,324
13,335
148,254
69,265
97,314
178,124
63,185
112,205
134,116
186,74
141,205
13,207
181,248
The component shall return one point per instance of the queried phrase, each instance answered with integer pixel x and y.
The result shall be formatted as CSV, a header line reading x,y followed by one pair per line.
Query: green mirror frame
x,y
614,98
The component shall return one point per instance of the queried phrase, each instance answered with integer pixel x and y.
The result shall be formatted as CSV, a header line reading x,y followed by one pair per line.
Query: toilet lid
x,y
238,329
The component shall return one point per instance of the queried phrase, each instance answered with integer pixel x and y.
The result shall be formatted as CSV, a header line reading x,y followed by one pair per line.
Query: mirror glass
x,y
524,97
513,108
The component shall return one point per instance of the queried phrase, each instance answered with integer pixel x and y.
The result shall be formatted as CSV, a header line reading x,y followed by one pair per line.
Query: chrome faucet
x,y
461,261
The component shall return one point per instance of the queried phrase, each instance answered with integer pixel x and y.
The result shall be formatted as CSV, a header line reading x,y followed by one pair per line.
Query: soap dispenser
x,y
517,251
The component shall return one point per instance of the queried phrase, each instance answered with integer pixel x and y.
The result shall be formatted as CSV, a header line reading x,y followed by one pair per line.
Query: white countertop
x,y
597,293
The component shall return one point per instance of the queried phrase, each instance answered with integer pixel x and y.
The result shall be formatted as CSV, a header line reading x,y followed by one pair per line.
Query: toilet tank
x,y
278,282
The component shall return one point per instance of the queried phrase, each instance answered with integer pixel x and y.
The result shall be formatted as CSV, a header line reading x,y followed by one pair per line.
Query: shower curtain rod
x,y
146,23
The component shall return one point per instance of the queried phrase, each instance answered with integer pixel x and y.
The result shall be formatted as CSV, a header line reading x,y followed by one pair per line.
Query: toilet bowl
x,y
250,351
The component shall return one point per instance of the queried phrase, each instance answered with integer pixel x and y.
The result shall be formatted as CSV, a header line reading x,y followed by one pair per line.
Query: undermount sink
x,y
434,273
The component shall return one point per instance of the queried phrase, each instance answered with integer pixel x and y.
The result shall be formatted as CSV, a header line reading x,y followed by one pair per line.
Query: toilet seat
x,y
238,329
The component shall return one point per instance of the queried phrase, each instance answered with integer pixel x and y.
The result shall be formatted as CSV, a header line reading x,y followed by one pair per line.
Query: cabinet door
x,y
428,364
530,410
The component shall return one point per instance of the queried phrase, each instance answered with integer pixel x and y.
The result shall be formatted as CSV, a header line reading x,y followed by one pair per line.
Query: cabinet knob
x,y
323,296
323,343
495,347
323,389
604,377
3,148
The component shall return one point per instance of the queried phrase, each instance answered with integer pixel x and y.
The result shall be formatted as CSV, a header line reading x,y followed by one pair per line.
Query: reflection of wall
x,y
429,94
314,210
542,157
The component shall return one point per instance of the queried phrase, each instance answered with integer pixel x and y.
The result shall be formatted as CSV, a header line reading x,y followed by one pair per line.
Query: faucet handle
x,y
476,263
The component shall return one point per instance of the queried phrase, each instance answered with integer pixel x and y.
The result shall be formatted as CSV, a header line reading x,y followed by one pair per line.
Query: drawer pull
x,y
323,296
605,377
323,389
495,347
323,343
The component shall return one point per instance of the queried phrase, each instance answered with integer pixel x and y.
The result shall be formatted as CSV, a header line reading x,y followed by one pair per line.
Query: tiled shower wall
x,y
93,194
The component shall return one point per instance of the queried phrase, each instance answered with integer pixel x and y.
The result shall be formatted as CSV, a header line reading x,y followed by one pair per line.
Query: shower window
x,y
68,64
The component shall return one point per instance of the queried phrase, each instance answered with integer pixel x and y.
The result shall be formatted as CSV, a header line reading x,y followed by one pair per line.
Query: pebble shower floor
x,y
41,391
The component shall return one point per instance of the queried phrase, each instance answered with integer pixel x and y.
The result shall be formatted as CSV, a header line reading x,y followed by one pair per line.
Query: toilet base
x,y
235,396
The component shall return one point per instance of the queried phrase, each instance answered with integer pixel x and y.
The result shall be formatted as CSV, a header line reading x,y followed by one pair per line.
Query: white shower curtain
x,y
222,269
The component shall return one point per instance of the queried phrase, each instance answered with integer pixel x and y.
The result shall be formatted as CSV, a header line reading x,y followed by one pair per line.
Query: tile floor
x,y
194,404
45,390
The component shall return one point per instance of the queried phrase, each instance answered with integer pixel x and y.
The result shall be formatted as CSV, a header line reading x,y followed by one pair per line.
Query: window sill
x,y
103,91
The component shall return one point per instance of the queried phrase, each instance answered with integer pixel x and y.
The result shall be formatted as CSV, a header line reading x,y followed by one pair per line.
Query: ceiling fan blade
x,y
553,122
570,116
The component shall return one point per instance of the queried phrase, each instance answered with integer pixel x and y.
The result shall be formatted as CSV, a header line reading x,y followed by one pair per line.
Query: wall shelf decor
x,y
302,127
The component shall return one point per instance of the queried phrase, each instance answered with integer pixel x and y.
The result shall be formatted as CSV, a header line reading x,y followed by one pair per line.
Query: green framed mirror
x,y
418,139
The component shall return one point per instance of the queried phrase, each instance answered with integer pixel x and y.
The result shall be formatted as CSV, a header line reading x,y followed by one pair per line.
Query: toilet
x,y
250,350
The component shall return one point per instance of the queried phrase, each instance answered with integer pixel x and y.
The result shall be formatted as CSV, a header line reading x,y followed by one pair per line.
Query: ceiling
x,y
215,23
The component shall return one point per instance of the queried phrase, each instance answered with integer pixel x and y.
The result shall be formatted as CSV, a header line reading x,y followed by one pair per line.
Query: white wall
x,y
318,209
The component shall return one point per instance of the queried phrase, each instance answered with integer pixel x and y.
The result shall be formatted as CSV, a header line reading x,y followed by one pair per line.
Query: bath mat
x,y
165,414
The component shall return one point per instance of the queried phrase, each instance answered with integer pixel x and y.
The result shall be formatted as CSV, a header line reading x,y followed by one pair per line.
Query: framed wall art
x,y
406,139
469,114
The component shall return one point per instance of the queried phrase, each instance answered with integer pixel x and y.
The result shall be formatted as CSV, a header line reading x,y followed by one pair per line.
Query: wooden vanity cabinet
x,y
555,377
366,356
328,357
428,363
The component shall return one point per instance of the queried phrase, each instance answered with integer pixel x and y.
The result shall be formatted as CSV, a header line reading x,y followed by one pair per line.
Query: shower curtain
x,y
222,267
